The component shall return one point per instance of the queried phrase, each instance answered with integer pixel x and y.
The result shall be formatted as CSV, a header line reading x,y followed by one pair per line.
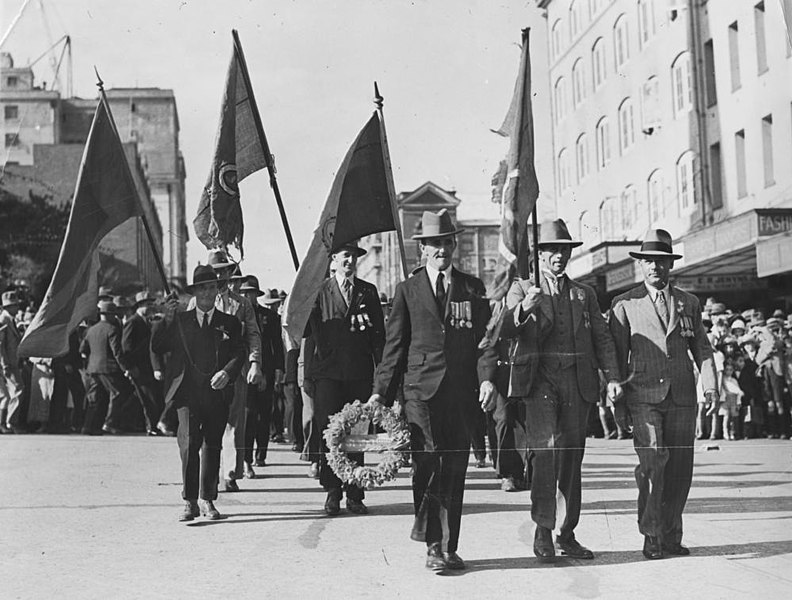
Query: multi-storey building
x,y
672,115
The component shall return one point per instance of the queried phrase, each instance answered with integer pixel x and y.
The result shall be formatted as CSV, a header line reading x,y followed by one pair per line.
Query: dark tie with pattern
x,y
205,325
348,291
662,308
440,293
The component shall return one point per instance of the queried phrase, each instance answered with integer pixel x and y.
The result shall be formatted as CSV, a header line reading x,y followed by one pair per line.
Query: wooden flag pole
x,y
268,158
149,235
378,102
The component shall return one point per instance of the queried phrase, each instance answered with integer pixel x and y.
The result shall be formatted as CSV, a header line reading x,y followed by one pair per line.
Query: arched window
x,y
655,192
560,99
646,21
629,208
576,17
686,191
582,157
650,99
603,143
621,41
578,82
563,171
681,84
598,65
594,8
557,39
626,126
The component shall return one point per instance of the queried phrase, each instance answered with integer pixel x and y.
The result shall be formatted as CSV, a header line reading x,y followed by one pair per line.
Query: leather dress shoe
x,y
208,510
333,503
313,471
153,433
111,430
543,544
454,561
652,549
190,511
164,430
259,462
434,558
356,506
481,463
676,549
230,485
248,472
573,549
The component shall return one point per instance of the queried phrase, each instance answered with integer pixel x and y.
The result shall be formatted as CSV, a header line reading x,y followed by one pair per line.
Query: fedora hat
x,y
142,297
202,274
105,293
352,246
271,297
218,259
555,232
106,307
434,225
10,298
251,285
656,244
237,276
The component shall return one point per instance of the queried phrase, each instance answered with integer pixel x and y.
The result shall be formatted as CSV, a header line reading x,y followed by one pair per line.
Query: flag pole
x,y
378,102
268,158
534,225
149,235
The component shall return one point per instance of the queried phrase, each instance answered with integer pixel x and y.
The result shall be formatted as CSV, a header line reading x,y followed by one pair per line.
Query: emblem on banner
x,y
227,178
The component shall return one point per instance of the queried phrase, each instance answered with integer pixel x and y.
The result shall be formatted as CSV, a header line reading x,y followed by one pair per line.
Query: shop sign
x,y
716,283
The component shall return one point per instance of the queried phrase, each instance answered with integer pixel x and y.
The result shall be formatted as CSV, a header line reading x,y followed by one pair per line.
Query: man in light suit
x,y
438,318
11,385
561,340
654,326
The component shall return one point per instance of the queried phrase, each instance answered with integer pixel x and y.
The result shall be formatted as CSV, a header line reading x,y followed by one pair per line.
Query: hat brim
x,y
652,254
422,236
359,251
245,290
193,286
224,265
570,243
271,300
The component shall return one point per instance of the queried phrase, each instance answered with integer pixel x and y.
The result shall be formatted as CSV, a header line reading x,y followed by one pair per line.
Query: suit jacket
x,y
655,359
593,345
240,307
9,342
424,346
269,323
135,345
180,334
102,347
342,353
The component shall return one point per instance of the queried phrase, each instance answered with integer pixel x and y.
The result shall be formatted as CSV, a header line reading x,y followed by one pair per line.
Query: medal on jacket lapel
x,y
454,314
468,305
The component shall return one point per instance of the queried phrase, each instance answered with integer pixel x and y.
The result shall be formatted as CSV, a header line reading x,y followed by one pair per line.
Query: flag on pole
x,y
105,196
520,187
238,153
359,204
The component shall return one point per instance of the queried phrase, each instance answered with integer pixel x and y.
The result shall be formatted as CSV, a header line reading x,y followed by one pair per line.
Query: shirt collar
x,y
340,279
653,291
433,273
200,314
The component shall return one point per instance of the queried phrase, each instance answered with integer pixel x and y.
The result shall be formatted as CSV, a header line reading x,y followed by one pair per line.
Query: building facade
x,y
673,115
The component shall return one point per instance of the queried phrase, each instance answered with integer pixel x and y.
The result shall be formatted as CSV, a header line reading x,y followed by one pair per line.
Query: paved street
x,y
97,518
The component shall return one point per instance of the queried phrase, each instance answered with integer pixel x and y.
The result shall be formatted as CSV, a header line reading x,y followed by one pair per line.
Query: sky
x,y
446,69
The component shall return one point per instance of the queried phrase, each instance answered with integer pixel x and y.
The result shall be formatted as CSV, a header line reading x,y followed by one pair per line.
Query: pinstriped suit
x,y
661,397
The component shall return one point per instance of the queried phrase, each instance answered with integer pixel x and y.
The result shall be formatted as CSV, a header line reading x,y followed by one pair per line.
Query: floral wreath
x,y
391,457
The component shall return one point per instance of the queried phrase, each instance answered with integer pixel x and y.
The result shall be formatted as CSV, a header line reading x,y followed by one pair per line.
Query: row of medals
x,y
360,322
462,315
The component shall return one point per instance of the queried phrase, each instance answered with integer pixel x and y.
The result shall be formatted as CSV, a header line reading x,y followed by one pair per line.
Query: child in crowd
x,y
725,419
751,386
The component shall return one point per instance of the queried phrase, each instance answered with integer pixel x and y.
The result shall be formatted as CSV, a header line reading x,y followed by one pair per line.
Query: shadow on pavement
x,y
704,505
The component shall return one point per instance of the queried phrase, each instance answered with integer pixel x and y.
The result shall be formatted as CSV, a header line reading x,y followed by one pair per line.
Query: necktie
x,y
662,308
440,293
205,324
348,291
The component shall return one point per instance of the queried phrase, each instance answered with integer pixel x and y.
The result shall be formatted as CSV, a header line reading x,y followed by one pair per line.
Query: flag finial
x,y
378,99
99,82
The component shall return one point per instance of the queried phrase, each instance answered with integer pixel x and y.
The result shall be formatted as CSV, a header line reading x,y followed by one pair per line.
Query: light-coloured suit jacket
x,y
657,360
9,342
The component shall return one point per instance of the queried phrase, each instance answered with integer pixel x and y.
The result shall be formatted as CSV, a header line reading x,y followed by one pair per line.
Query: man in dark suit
x,y
348,332
106,367
559,383
206,355
438,318
654,327
136,348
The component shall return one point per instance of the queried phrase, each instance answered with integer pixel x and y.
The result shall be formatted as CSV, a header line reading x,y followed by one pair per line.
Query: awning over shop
x,y
774,255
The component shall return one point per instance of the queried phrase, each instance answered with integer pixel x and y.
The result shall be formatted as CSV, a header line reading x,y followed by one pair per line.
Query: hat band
x,y
656,247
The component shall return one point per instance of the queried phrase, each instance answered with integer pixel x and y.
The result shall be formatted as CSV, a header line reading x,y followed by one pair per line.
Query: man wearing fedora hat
x,y
206,355
135,343
770,359
11,386
655,325
348,333
438,317
561,341
106,365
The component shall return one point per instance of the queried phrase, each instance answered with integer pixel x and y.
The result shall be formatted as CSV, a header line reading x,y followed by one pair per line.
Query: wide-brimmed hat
x,y
106,307
351,246
105,293
10,298
555,232
779,314
271,297
142,297
656,244
434,225
251,285
282,294
218,259
202,274
774,322
738,324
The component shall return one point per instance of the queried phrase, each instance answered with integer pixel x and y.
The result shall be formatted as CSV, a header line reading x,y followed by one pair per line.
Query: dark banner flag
x,y
516,181
238,153
105,196
359,204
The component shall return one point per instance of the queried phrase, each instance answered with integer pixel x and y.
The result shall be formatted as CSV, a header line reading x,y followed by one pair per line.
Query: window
x,y
11,139
621,44
557,41
595,6
578,82
656,196
686,192
739,147
650,100
603,143
12,81
734,56
576,17
761,47
563,171
11,111
626,128
646,22
767,150
598,62
628,208
560,99
581,157
716,176
709,73
682,88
